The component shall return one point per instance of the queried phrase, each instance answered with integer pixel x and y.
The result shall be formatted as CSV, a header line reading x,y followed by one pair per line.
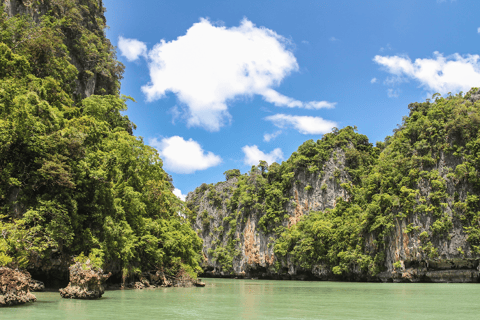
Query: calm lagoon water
x,y
262,299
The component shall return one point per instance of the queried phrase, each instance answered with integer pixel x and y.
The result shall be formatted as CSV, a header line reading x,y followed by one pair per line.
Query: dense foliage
x,y
406,179
428,168
264,192
74,180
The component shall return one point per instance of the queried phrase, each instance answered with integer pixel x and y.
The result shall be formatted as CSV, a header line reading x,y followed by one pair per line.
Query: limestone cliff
x,y
435,242
68,157
236,242
90,52
409,211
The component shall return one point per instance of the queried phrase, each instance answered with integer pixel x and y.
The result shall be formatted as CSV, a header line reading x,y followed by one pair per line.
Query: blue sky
x,y
222,84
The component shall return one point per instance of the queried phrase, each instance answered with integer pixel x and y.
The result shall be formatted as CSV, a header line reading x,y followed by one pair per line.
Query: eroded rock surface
x,y
86,282
255,256
160,279
14,287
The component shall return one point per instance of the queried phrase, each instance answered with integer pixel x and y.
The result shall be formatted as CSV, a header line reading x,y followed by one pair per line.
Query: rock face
x,y
95,75
417,202
452,259
86,282
253,252
160,279
98,74
14,287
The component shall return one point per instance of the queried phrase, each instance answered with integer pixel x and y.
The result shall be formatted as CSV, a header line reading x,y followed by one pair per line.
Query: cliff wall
x,y
76,182
82,24
236,243
411,207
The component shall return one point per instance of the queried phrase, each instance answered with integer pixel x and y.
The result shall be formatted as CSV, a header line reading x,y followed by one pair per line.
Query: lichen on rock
x,y
86,282
14,287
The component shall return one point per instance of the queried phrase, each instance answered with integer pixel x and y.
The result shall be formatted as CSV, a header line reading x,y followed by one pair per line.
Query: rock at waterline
x,y
86,282
14,287
158,278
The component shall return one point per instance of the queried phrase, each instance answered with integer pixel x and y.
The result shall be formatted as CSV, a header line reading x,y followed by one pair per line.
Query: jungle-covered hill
x,y
74,180
407,209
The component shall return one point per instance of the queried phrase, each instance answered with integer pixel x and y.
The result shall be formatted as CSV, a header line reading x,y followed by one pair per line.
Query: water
x,y
260,299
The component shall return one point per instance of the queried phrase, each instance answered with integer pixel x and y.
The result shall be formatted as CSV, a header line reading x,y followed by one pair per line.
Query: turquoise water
x,y
261,299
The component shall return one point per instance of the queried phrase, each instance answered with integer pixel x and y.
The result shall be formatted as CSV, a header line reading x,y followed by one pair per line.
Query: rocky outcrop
x,y
96,75
416,209
416,253
86,282
14,287
253,254
156,279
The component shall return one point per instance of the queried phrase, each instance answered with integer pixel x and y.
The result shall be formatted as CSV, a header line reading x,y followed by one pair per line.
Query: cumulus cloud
x,y
179,194
374,80
333,39
303,124
253,155
270,136
439,74
184,156
131,49
211,66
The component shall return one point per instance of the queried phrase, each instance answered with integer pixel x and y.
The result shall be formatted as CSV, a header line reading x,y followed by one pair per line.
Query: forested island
x,y
76,184
82,197
340,208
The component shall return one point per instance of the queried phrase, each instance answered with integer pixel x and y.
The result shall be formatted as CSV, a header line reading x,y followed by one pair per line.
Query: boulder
x,y
14,287
36,285
86,282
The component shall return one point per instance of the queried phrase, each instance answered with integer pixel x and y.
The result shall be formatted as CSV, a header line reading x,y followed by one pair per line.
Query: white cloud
x,y
131,49
333,39
179,194
211,66
270,136
478,30
304,124
280,100
374,80
439,74
181,156
253,155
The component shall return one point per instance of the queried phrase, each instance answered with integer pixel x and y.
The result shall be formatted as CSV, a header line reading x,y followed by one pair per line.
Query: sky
x,y
220,85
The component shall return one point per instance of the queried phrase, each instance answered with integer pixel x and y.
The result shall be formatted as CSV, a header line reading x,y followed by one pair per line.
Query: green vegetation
x,y
263,192
391,189
429,167
75,181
